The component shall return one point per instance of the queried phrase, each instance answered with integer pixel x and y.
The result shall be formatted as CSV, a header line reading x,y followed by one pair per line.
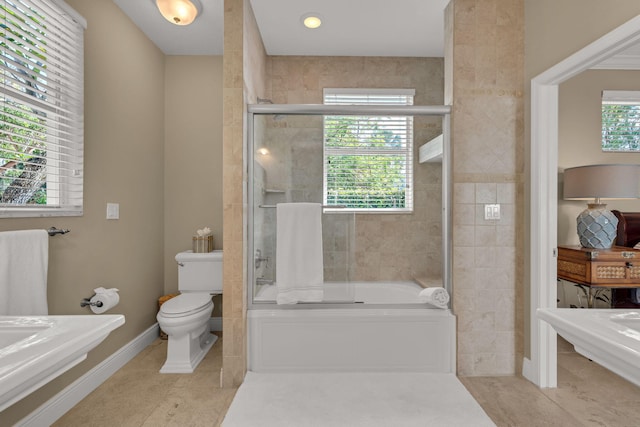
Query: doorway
x,y
541,367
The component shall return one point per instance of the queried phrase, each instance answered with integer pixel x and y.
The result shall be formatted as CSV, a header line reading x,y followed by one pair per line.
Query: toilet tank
x,y
200,272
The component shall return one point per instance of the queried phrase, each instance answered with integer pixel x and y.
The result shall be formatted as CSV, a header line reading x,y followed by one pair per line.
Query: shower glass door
x,y
363,247
286,166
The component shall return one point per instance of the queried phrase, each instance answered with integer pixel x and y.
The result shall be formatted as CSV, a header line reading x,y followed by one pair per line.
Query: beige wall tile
x,y
301,80
486,39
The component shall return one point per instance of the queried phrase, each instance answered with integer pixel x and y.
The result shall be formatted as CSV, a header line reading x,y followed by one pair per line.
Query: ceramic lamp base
x,y
597,227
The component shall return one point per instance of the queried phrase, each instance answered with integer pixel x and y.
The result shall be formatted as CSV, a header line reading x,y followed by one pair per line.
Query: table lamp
x,y
596,225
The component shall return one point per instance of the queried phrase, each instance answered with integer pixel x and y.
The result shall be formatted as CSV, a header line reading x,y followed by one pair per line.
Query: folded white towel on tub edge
x,y
436,296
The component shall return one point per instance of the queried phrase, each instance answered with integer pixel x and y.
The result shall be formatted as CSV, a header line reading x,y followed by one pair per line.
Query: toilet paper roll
x,y
108,297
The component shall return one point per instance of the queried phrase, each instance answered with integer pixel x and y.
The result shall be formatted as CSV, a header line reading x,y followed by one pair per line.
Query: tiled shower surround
x,y
383,247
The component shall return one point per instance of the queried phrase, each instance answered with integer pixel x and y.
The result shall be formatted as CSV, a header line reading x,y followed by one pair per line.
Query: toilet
x,y
185,318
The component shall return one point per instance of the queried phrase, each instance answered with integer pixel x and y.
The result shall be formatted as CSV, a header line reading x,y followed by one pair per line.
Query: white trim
x,y
215,324
619,62
621,97
544,161
541,368
365,91
527,369
447,216
27,212
61,403
605,47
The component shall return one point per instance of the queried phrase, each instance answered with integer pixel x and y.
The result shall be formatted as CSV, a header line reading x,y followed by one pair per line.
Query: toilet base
x,y
185,353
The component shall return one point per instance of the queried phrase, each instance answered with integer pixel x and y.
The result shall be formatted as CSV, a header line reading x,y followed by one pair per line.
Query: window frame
x,y
61,32
407,151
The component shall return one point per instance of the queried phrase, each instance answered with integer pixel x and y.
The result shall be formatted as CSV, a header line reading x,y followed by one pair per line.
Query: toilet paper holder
x,y
103,300
87,301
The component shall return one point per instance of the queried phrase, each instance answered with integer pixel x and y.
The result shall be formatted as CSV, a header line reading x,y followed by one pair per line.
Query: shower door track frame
x,y
321,109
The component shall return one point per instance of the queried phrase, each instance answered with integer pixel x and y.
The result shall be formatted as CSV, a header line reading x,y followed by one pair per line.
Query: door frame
x,y
541,367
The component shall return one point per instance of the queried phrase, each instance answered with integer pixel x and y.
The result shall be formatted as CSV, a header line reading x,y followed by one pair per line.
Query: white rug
x,y
354,399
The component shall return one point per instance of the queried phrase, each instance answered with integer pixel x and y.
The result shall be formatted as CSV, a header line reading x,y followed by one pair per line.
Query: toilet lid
x,y
185,303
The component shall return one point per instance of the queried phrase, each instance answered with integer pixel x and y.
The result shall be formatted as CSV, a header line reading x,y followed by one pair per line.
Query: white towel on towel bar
x,y
24,259
436,296
299,264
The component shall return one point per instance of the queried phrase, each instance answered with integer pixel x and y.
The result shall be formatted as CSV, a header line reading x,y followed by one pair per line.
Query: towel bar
x,y
55,231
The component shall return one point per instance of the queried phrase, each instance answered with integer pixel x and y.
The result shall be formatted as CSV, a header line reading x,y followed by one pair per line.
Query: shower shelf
x,y
273,190
431,152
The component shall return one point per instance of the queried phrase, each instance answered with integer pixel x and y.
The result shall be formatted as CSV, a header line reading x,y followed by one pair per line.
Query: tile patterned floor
x,y
138,396
587,395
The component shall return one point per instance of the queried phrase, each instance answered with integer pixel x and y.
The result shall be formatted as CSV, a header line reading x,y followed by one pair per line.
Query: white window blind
x,y
620,120
41,121
368,160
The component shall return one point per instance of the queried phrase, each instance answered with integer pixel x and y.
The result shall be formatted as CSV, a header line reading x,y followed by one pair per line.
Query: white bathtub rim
x,y
263,305
346,310
408,291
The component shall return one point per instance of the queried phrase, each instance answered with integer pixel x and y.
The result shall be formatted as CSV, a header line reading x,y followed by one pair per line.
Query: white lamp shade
x,y
602,182
179,12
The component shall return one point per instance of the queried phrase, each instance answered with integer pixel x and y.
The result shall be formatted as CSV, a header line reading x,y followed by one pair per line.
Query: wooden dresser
x,y
594,270
618,267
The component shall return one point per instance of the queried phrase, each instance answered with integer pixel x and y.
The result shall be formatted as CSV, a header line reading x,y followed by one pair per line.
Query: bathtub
x,y
387,329
610,337
36,349
359,293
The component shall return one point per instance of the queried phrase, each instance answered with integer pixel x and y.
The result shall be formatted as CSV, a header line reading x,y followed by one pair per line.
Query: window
x,y
41,102
368,159
620,120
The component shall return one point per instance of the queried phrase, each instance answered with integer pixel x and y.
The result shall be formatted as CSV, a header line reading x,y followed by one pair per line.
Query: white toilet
x,y
185,318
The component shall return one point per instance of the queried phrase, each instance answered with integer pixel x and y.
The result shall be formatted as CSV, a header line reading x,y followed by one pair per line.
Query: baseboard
x,y
58,405
215,324
527,370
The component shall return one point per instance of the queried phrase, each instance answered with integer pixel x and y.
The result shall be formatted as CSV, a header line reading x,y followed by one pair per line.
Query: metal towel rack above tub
x,y
55,231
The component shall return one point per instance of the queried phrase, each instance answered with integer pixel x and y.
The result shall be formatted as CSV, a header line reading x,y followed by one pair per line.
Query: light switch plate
x,y
492,212
113,211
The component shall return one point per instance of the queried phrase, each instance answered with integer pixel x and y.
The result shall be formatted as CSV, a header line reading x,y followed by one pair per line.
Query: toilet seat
x,y
186,304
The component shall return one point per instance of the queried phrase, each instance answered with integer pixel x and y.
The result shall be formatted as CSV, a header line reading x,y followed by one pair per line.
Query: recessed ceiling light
x,y
311,20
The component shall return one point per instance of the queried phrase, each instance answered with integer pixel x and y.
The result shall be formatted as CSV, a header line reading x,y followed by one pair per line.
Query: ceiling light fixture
x,y
311,20
179,12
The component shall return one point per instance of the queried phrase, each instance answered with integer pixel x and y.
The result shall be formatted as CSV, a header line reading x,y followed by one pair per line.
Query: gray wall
x,y
580,138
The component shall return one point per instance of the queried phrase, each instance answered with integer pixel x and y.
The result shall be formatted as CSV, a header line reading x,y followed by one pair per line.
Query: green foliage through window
x,y
368,159
621,121
363,166
22,137
41,107
620,127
